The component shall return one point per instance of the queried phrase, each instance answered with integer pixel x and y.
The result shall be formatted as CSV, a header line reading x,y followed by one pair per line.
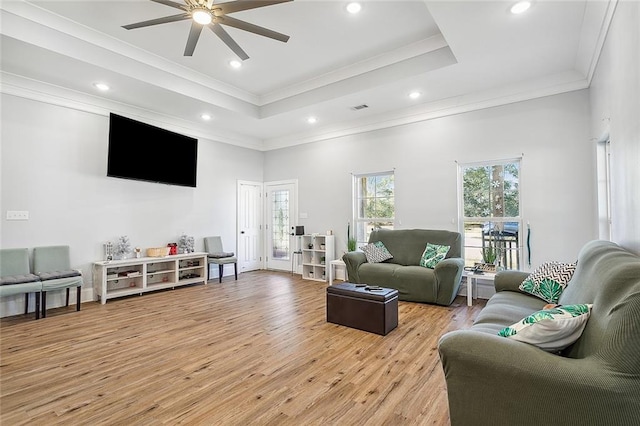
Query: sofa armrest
x,y
353,260
493,380
448,274
509,280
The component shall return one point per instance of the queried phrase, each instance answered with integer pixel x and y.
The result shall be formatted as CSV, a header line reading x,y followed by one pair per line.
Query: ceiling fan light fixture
x,y
201,16
520,7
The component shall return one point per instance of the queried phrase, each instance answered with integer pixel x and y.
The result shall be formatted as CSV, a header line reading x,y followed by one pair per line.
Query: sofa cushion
x,y
376,252
433,254
550,329
503,309
549,280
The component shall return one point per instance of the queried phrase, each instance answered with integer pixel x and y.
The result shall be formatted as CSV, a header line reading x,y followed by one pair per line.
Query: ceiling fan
x,y
214,15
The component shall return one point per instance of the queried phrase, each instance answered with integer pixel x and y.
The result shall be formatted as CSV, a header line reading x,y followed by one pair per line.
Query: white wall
x,y
558,170
615,103
53,164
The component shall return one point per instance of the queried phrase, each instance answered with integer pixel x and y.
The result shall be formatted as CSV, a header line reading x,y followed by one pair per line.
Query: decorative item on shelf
x,y
158,251
322,246
173,248
122,248
310,245
311,274
137,251
108,251
322,260
485,267
186,244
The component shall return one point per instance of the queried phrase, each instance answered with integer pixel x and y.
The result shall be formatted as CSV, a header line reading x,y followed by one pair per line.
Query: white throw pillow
x,y
551,329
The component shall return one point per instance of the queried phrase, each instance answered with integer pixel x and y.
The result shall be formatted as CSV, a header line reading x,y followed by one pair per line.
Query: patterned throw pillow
x,y
549,280
551,329
433,254
376,252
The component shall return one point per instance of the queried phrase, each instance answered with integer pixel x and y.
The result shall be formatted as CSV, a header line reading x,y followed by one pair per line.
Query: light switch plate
x,y
17,215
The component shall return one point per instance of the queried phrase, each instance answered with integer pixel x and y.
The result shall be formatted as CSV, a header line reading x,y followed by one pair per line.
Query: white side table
x,y
472,281
338,263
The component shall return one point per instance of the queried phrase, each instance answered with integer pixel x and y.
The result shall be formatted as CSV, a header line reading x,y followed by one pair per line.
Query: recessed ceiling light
x,y
520,7
415,95
201,16
354,7
101,86
312,120
235,63
205,117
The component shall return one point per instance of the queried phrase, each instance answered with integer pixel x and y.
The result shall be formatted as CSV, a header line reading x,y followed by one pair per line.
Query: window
x,y
374,205
490,213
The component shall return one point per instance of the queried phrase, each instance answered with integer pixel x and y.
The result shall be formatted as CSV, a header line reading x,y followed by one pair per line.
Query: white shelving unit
x,y
317,252
118,278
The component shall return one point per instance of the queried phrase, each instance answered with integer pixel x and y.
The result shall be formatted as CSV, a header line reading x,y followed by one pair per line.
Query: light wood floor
x,y
253,351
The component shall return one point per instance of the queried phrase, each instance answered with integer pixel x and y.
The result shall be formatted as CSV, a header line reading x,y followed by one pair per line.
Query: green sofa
x,y
493,380
404,273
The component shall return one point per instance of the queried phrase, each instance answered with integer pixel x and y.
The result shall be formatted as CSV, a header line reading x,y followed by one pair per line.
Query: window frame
x,y
355,198
463,220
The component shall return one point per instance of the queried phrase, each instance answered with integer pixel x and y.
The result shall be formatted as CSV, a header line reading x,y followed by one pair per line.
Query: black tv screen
x,y
143,152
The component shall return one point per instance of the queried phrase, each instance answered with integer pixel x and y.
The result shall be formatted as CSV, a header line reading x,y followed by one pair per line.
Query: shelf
x,y
151,274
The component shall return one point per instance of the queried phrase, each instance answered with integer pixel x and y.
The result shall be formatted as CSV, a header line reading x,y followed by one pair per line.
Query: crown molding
x,y
14,85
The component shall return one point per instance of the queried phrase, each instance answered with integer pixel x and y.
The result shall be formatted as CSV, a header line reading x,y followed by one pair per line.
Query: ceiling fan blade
x,y
237,6
164,20
226,38
194,35
170,3
246,26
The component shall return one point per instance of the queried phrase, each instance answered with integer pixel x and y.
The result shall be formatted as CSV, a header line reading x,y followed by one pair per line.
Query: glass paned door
x,y
281,208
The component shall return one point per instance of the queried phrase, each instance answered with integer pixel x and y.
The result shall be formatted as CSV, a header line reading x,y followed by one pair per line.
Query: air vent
x,y
359,107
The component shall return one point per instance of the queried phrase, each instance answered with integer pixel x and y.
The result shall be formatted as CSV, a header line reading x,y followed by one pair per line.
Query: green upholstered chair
x,y
16,277
53,265
216,255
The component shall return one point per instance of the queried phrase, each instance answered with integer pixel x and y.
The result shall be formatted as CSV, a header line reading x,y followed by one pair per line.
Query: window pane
x,y
491,191
492,242
280,225
374,203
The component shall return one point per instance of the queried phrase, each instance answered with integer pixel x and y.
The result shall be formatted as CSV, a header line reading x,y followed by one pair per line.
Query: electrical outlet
x,y
17,215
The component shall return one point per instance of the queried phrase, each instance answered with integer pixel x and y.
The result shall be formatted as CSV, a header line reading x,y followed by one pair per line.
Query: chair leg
x,y
68,289
44,304
26,303
38,295
78,296
235,269
220,271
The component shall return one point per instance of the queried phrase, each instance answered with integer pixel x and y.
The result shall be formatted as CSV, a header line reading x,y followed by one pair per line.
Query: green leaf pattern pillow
x,y
432,255
549,280
551,329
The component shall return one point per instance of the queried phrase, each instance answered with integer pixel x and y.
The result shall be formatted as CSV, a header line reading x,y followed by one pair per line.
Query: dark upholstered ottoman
x,y
356,307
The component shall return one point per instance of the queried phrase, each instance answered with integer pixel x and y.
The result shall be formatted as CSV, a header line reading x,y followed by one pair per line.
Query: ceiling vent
x,y
359,107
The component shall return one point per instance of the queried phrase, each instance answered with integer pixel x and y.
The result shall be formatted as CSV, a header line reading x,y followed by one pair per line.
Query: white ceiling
x,y
462,55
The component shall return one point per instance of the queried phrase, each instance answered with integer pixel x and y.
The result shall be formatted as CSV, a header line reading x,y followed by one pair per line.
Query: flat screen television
x,y
143,152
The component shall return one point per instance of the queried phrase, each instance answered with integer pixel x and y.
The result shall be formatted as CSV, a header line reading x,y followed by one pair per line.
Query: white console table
x,y
333,266
472,281
118,278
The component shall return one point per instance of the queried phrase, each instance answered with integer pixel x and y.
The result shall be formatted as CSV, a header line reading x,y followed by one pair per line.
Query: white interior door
x,y
281,210
249,226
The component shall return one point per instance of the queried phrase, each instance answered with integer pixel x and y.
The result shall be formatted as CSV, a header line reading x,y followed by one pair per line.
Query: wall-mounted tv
x,y
143,152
